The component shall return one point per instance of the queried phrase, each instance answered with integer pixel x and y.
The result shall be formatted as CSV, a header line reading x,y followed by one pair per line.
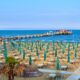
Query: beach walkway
x,y
54,71
75,75
62,73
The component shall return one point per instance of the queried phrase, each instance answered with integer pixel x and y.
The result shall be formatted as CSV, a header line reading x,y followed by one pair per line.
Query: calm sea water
x,y
75,37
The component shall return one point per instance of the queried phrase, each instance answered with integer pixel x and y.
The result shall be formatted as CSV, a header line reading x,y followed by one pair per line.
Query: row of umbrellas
x,y
39,45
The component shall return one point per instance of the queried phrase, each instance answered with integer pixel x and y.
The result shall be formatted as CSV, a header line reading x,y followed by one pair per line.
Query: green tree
x,y
8,68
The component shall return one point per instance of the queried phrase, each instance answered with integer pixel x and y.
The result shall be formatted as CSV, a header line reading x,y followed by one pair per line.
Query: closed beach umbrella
x,y
75,54
30,60
31,44
26,45
55,52
53,46
73,45
57,63
64,44
77,44
48,45
5,49
40,47
45,55
16,46
37,51
69,47
46,49
68,56
59,44
31,49
21,49
42,44
23,54
11,47
63,50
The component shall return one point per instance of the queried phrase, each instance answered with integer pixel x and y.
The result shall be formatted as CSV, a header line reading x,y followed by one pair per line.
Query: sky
x,y
39,14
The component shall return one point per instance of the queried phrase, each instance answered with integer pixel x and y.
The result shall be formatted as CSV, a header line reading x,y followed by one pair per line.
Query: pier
x,y
58,32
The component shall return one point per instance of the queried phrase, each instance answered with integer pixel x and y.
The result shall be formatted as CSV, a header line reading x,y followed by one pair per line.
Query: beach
x,y
40,57
52,55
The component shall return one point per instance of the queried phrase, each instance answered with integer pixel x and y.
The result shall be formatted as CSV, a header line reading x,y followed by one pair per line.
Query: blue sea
x,y
74,37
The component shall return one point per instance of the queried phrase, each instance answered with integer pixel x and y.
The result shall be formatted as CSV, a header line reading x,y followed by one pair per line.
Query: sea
x,y
74,37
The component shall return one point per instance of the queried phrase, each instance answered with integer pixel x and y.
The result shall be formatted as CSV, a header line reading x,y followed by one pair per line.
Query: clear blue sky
x,y
39,14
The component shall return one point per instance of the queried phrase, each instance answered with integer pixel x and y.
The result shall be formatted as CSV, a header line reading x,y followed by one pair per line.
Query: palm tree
x,y
10,68
11,62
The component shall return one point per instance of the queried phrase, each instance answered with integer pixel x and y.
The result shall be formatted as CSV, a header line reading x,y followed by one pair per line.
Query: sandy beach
x,y
47,55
